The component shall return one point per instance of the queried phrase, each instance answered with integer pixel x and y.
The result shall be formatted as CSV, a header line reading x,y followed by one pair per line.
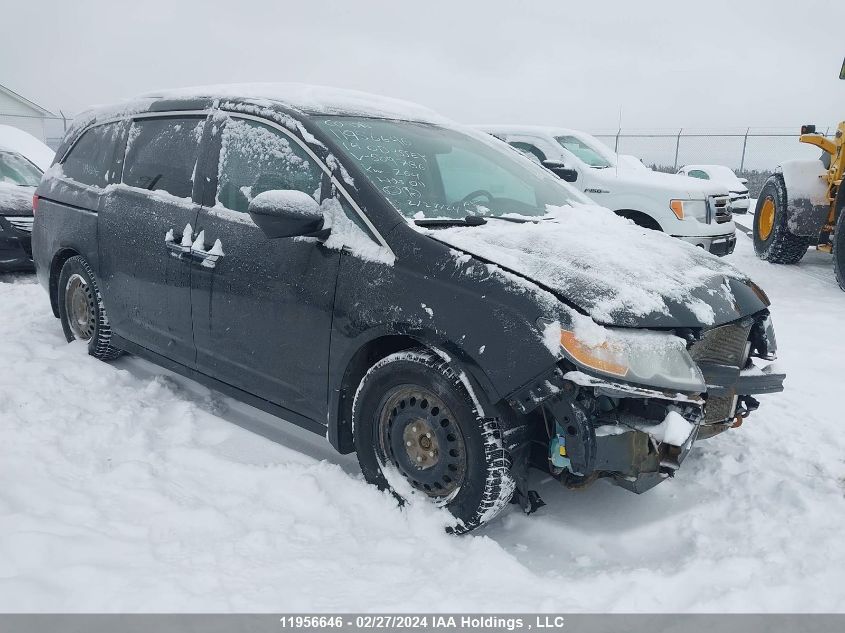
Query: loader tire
x,y
773,240
839,249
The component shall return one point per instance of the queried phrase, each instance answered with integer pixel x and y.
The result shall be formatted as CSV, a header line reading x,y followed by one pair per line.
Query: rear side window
x,y
255,158
161,155
91,159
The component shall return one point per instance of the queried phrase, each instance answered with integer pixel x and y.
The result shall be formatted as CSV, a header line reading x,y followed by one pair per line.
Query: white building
x,y
22,113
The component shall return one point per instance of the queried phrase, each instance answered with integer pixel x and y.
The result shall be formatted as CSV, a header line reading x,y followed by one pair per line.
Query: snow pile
x,y
25,144
607,264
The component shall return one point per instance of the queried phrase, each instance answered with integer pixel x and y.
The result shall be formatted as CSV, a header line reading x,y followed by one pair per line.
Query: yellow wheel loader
x,y
803,204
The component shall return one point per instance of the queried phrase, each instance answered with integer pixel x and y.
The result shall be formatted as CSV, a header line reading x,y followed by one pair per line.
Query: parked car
x,y
738,187
18,179
15,140
413,290
686,208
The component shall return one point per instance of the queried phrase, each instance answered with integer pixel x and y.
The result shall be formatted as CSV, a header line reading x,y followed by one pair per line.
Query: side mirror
x,y
562,171
287,213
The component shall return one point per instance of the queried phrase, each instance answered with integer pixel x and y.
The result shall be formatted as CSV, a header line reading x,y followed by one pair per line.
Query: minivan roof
x,y
309,99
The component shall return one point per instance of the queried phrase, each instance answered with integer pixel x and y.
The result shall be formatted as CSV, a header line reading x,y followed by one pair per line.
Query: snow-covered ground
x,y
124,488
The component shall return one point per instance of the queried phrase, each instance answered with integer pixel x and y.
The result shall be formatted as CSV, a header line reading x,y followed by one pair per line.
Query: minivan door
x,y
262,308
146,228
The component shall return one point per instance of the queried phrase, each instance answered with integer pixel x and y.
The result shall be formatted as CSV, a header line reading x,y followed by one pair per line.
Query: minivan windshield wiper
x,y
470,220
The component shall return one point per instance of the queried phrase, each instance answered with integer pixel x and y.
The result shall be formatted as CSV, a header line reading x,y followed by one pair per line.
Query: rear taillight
x,y
34,204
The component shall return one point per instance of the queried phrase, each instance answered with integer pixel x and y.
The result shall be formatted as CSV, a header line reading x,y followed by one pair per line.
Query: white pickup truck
x,y
694,210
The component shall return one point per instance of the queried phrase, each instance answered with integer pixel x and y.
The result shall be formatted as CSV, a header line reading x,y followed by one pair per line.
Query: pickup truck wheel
x,y
413,419
81,309
772,239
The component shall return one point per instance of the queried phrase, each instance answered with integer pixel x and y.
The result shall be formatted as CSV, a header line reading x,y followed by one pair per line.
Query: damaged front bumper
x,y
637,435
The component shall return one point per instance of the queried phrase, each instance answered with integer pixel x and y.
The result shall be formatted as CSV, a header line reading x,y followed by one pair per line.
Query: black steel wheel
x,y
413,417
419,435
81,309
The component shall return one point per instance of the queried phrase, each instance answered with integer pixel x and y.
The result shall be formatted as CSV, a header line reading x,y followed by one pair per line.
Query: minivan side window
x,y
255,158
161,154
90,160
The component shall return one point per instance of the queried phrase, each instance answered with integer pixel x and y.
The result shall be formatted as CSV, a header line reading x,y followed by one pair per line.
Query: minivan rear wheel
x,y
413,419
81,309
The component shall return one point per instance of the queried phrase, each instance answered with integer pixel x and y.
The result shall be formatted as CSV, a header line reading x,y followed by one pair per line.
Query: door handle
x,y
207,258
182,248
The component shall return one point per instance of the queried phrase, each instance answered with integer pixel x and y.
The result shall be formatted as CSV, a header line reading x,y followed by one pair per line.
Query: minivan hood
x,y
609,268
15,199
675,185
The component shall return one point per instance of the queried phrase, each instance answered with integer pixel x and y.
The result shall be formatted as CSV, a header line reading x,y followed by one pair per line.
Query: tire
x,y
839,249
414,398
81,309
773,241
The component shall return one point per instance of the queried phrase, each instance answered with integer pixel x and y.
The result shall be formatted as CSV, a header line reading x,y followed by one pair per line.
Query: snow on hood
x,y
674,184
15,199
25,144
615,271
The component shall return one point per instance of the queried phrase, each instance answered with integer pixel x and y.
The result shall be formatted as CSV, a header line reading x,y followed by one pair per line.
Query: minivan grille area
x,y
724,345
21,224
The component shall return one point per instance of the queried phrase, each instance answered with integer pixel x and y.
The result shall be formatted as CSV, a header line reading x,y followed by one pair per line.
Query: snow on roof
x,y
15,140
311,99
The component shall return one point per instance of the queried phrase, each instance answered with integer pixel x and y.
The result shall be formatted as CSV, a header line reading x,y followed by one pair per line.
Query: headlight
x,y
638,356
689,209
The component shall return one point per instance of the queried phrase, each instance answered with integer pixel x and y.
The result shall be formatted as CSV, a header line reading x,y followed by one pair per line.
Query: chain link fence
x,y
753,153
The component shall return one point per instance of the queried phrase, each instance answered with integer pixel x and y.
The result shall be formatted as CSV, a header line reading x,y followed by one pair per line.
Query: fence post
x,y
744,145
618,132
677,148
64,120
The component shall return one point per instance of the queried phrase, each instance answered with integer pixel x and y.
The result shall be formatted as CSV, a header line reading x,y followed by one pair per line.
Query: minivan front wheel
x,y
81,309
413,419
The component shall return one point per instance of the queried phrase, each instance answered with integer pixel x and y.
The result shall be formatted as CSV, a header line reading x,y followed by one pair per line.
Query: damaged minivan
x,y
412,289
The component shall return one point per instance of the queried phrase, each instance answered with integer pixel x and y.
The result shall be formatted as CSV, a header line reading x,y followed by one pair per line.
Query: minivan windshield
x,y
16,170
430,171
583,150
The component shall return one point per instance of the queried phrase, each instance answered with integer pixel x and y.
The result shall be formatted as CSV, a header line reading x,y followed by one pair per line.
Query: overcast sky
x,y
711,63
